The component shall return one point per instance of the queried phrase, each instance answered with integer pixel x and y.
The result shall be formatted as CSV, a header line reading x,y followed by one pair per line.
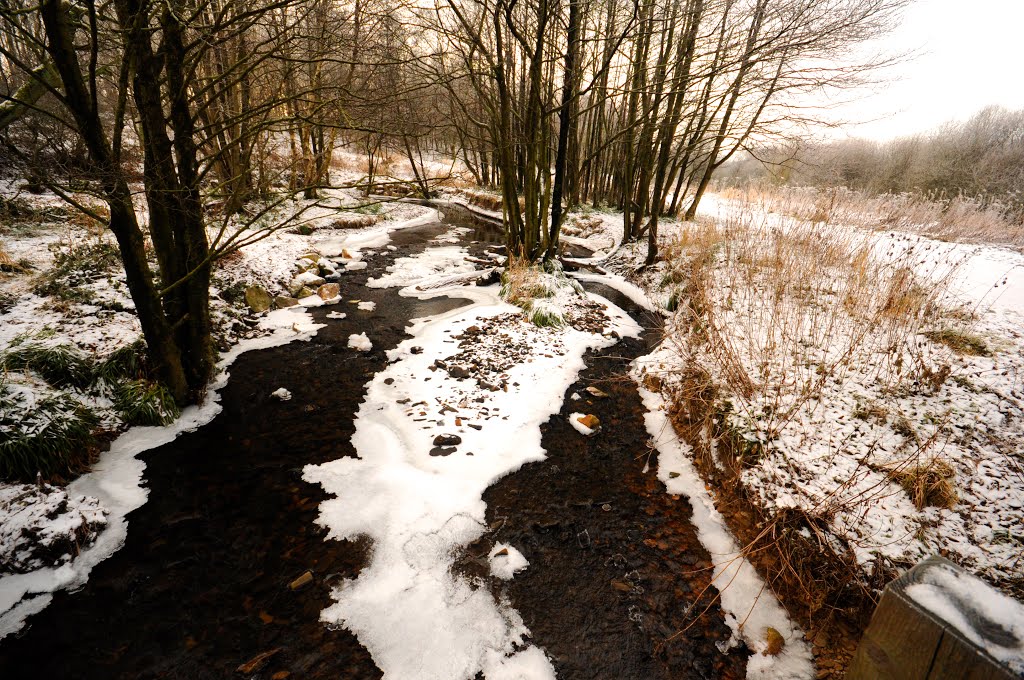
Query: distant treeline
x,y
981,158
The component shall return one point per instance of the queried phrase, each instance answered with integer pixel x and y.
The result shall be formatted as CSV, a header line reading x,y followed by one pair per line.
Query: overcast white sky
x,y
971,55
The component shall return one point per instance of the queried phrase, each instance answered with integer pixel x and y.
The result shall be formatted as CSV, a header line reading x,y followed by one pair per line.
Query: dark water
x,y
615,564
202,583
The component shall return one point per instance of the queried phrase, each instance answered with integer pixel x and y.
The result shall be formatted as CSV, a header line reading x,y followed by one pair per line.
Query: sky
x,y
969,56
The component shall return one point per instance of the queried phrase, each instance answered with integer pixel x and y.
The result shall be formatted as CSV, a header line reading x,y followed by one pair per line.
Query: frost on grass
x,y
545,294
420,502
359,342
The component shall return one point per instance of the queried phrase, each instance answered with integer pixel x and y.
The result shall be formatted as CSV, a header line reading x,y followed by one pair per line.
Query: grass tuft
x,y
51,437
59,365
929,484
124,363
960,341
142,402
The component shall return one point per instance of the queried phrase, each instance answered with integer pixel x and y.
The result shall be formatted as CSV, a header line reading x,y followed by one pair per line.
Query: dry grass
x,y
802,349
782,308
928,483
959,219
961,341
6,263
485,200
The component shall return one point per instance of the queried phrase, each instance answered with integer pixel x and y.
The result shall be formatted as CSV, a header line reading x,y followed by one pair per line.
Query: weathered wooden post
x,y
938,622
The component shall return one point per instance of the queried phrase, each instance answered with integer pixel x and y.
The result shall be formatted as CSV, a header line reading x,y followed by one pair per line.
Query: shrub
x,y
75,268
143,402
59,365
51,436
124,363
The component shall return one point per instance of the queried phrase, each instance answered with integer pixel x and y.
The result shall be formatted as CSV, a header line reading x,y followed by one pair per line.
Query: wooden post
x,y
906,641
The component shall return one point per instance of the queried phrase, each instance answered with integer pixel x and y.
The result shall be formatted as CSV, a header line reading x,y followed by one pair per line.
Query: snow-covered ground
x,y
842,427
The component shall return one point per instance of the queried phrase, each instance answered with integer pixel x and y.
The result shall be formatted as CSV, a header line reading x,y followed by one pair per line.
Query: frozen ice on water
x,y
506,561
359,341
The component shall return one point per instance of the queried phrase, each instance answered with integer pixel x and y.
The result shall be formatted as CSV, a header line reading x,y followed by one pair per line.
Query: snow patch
x,y
574,420
981,613
506,561
282,394
360,342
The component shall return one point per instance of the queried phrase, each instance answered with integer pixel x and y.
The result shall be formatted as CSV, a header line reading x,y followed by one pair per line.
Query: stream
x,y
206,580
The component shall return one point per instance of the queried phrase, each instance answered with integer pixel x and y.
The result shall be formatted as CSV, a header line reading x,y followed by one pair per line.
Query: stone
x,y
447,440
258,298
589,420
257,663
312,257
283,301
302,581
775,641
310,278
596,392
303,292
328,291
442,451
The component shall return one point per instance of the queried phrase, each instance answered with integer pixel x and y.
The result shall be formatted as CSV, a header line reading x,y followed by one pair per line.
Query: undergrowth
x,y
75,268
539,290
49,429
51,436
143,402
830,385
